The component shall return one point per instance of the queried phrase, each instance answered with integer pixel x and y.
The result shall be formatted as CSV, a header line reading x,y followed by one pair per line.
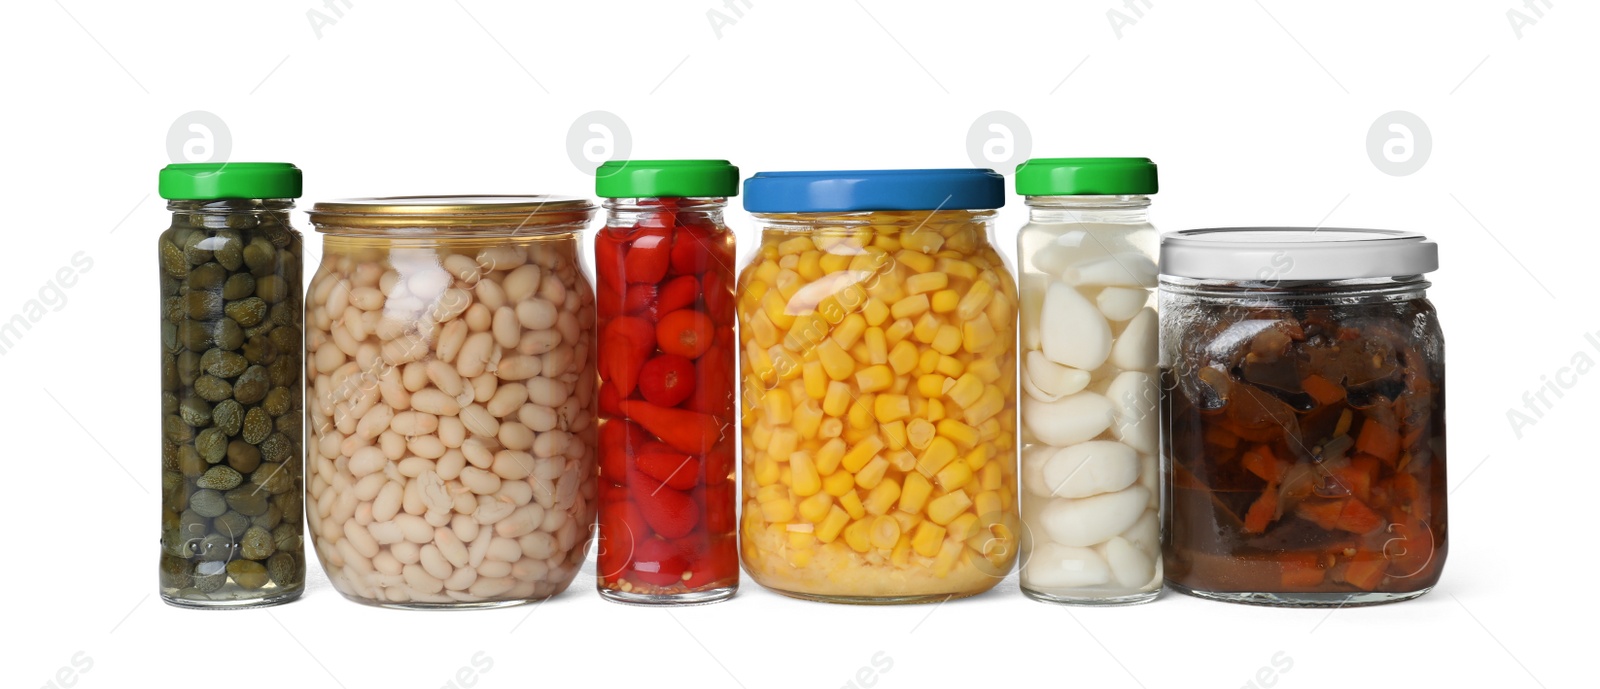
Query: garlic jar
x,y
876,323
450,354
1090,479
1302,401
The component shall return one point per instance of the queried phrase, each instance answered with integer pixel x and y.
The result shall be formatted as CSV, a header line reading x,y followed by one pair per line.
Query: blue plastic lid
x,y
834,191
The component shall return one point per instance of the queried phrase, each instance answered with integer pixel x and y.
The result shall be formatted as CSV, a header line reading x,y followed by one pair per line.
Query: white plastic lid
x,y
1295,253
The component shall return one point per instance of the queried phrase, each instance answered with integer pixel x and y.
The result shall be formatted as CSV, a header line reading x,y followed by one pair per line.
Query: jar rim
x,y
1295,254
471,215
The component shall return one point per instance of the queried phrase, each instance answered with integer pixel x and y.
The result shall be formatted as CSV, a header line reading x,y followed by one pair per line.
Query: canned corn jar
x,y
877,325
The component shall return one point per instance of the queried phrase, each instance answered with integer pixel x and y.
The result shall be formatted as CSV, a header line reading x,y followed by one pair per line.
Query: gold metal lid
x,y
476,216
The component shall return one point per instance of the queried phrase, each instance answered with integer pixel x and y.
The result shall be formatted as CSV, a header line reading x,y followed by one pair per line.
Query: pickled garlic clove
x,y
1073,332
1121,303
1049,381
1117,270
1135,349
1069,420
1052,258
1145,534
1132,395
1092,520
1130,565
1091,468
1032,286
1053,565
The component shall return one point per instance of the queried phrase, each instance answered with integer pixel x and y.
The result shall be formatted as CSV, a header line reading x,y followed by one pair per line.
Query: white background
x,y
1256,111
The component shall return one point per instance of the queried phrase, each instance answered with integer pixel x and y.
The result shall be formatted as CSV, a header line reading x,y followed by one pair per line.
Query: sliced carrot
x,y
1402,488
1322,390
1221,437
1263,511
1379,441
1357,476
1301,570
1365,570
1260,461
1323,513
1356,517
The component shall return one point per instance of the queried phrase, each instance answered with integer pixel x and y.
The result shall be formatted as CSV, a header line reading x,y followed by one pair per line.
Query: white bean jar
x,y
451,410
1090,477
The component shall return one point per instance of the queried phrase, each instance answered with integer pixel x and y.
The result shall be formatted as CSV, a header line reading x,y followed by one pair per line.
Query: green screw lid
x,y
1086,177
205,181
623,179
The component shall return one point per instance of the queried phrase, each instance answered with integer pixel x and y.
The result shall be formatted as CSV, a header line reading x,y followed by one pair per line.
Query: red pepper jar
x,y
667,497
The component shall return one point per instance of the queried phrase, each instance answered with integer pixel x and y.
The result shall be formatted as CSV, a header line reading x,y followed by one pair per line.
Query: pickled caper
x,y
194,336
233,525
276,448
289,425
248,574
286,538
173,261
269,519
202,304
249,310
190,463
252,385
271,478
285,569
193,251
223,364
259,350
248,500
258,254
194,525
242,221
208,503
228,415
257,425
220,477
174,572
169,456
284,371
195,411
209,577
243,457
286,338
212,444
175,430
213,389
256,544
229,250
169,338
209,276
169,403
227,334
285,312
238,286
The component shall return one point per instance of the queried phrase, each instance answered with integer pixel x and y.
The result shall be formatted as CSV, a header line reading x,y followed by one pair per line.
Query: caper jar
x,y
1303,410
450,352
231,461
1090,479
876,322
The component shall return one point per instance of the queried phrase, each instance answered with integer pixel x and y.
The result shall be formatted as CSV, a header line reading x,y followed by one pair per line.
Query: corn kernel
x,y
872,474
886,241
966,391
850,329
776,306
833,263
815,508
816,379
963,526
986,369
767,272
921,240
926,328
785,474
914,494
876,312
954,475
807,419
931,385
874,378
992,401
926,282
901,460
894,432
910,306
803,478
827,457
990,477
927,361
860,414
856,535
919,432
835,361
784,441
974,301
950,366
945,300
928,538
801,540
779,410
903,358
919,262
947,340
863,452
761,434
839,483
977,335
936,408
830,526
780,510
988,504
795,245
852,505
945,508
889,407
939,453
798,558
946,561
762,331
885,533
831,427
810,266
876,344
957,268
978,457
962,435
837,401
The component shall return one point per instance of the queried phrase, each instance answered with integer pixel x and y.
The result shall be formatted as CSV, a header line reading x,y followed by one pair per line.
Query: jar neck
x,y
224,206
630,212
1131,209
1267,291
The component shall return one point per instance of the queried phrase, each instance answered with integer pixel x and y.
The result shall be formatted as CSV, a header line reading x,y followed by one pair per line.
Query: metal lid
x,y
1295,253
453,215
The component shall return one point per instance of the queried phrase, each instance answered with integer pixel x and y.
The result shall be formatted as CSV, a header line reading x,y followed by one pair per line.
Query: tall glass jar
x,y
877,322
664,262
1090,478
231,391
450,349
1303,402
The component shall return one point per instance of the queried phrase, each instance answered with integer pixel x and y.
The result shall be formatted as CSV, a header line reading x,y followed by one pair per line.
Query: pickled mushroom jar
x,y
1303,399
1090,479
664,266
451,417
231,459
876,322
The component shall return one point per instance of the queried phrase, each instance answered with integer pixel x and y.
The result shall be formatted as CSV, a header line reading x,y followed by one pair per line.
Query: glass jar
x,y
231,391
877,402
1303,399
1090,479
664,263
452,419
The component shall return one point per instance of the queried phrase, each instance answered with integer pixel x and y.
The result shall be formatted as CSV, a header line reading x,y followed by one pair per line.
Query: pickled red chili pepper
x,y
667,501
